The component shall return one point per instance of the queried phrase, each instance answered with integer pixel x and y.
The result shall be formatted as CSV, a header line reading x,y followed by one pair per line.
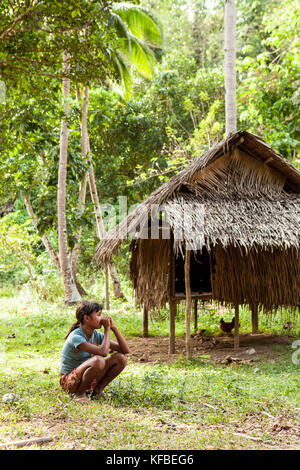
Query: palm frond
x,y
141,56
140,22
124,79
119,25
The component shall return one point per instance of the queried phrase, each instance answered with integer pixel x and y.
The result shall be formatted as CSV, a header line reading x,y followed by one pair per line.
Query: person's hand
x,y
105,321
112,325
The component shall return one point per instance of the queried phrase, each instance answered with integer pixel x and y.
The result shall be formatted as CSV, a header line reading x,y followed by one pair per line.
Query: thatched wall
x,y
270,278
149,271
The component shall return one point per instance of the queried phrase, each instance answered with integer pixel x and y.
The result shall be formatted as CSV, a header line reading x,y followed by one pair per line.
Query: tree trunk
x,y
45,239
93,188
100,230
83,184
107,288
75,251
49,248
230,71
71,293
196,34
116,281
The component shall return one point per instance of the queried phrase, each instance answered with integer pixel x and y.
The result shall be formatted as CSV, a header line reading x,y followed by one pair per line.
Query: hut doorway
x,y
200,274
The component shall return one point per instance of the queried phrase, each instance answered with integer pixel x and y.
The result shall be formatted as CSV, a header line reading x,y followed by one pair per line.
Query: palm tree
x,y
230,101
139,34
230,72
71,292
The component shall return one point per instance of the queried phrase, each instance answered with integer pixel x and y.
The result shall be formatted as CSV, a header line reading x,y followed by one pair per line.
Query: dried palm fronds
x,y
149,271
269,278
240,199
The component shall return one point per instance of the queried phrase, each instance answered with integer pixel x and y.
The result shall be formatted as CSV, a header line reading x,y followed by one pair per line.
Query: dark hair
x,y
84,308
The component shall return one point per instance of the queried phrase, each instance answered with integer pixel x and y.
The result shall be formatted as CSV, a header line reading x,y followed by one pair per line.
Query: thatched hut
x,y
233,215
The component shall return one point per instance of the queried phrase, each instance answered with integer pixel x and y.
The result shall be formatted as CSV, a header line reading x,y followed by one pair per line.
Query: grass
x,y
197,404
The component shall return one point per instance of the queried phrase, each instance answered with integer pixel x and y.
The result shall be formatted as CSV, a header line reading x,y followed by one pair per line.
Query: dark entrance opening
x,y
200,273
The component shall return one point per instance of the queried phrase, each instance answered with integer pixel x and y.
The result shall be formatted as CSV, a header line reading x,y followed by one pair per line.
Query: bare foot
x,y
97,395
82,398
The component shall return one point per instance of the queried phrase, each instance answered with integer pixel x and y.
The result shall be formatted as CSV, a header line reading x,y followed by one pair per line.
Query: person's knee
x,y
98,363
121,359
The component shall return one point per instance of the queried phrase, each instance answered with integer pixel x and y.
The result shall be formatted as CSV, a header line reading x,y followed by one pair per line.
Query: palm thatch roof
x,y
240,193
241,201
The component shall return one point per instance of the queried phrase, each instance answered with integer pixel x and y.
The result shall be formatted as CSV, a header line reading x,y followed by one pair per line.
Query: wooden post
x,y
195,315
173,309
106,288
145,322
236,328
188,298
172,301
254,315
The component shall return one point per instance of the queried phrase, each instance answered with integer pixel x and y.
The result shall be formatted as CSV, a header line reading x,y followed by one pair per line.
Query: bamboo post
x,y
195,315
172,301
173,309
236,328
188,297
107,288
254,318
145,322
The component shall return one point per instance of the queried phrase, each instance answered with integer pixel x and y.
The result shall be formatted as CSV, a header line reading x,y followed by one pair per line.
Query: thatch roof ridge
x,y
241,139
270,156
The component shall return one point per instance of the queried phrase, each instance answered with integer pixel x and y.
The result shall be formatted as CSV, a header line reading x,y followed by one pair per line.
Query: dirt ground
x,y
219,348
285,431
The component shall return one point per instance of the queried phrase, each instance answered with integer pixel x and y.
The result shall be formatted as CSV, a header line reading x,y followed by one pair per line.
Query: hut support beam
x,y
254,315
145,322
188,297
173,311
236,329
195,315
107,288
172,301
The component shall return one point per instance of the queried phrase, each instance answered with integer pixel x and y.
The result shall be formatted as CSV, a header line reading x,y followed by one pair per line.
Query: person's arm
x,y
105,345
121,344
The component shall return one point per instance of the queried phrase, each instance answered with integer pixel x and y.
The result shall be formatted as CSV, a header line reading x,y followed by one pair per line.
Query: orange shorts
x,y
70,382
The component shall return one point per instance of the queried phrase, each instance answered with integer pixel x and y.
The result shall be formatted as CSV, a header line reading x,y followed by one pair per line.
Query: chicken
x,y
226,326
288,325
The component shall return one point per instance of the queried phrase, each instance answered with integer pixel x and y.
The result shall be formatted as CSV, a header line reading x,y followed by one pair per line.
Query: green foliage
x,y
17,242
139,35
138,143
269,90
34,34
